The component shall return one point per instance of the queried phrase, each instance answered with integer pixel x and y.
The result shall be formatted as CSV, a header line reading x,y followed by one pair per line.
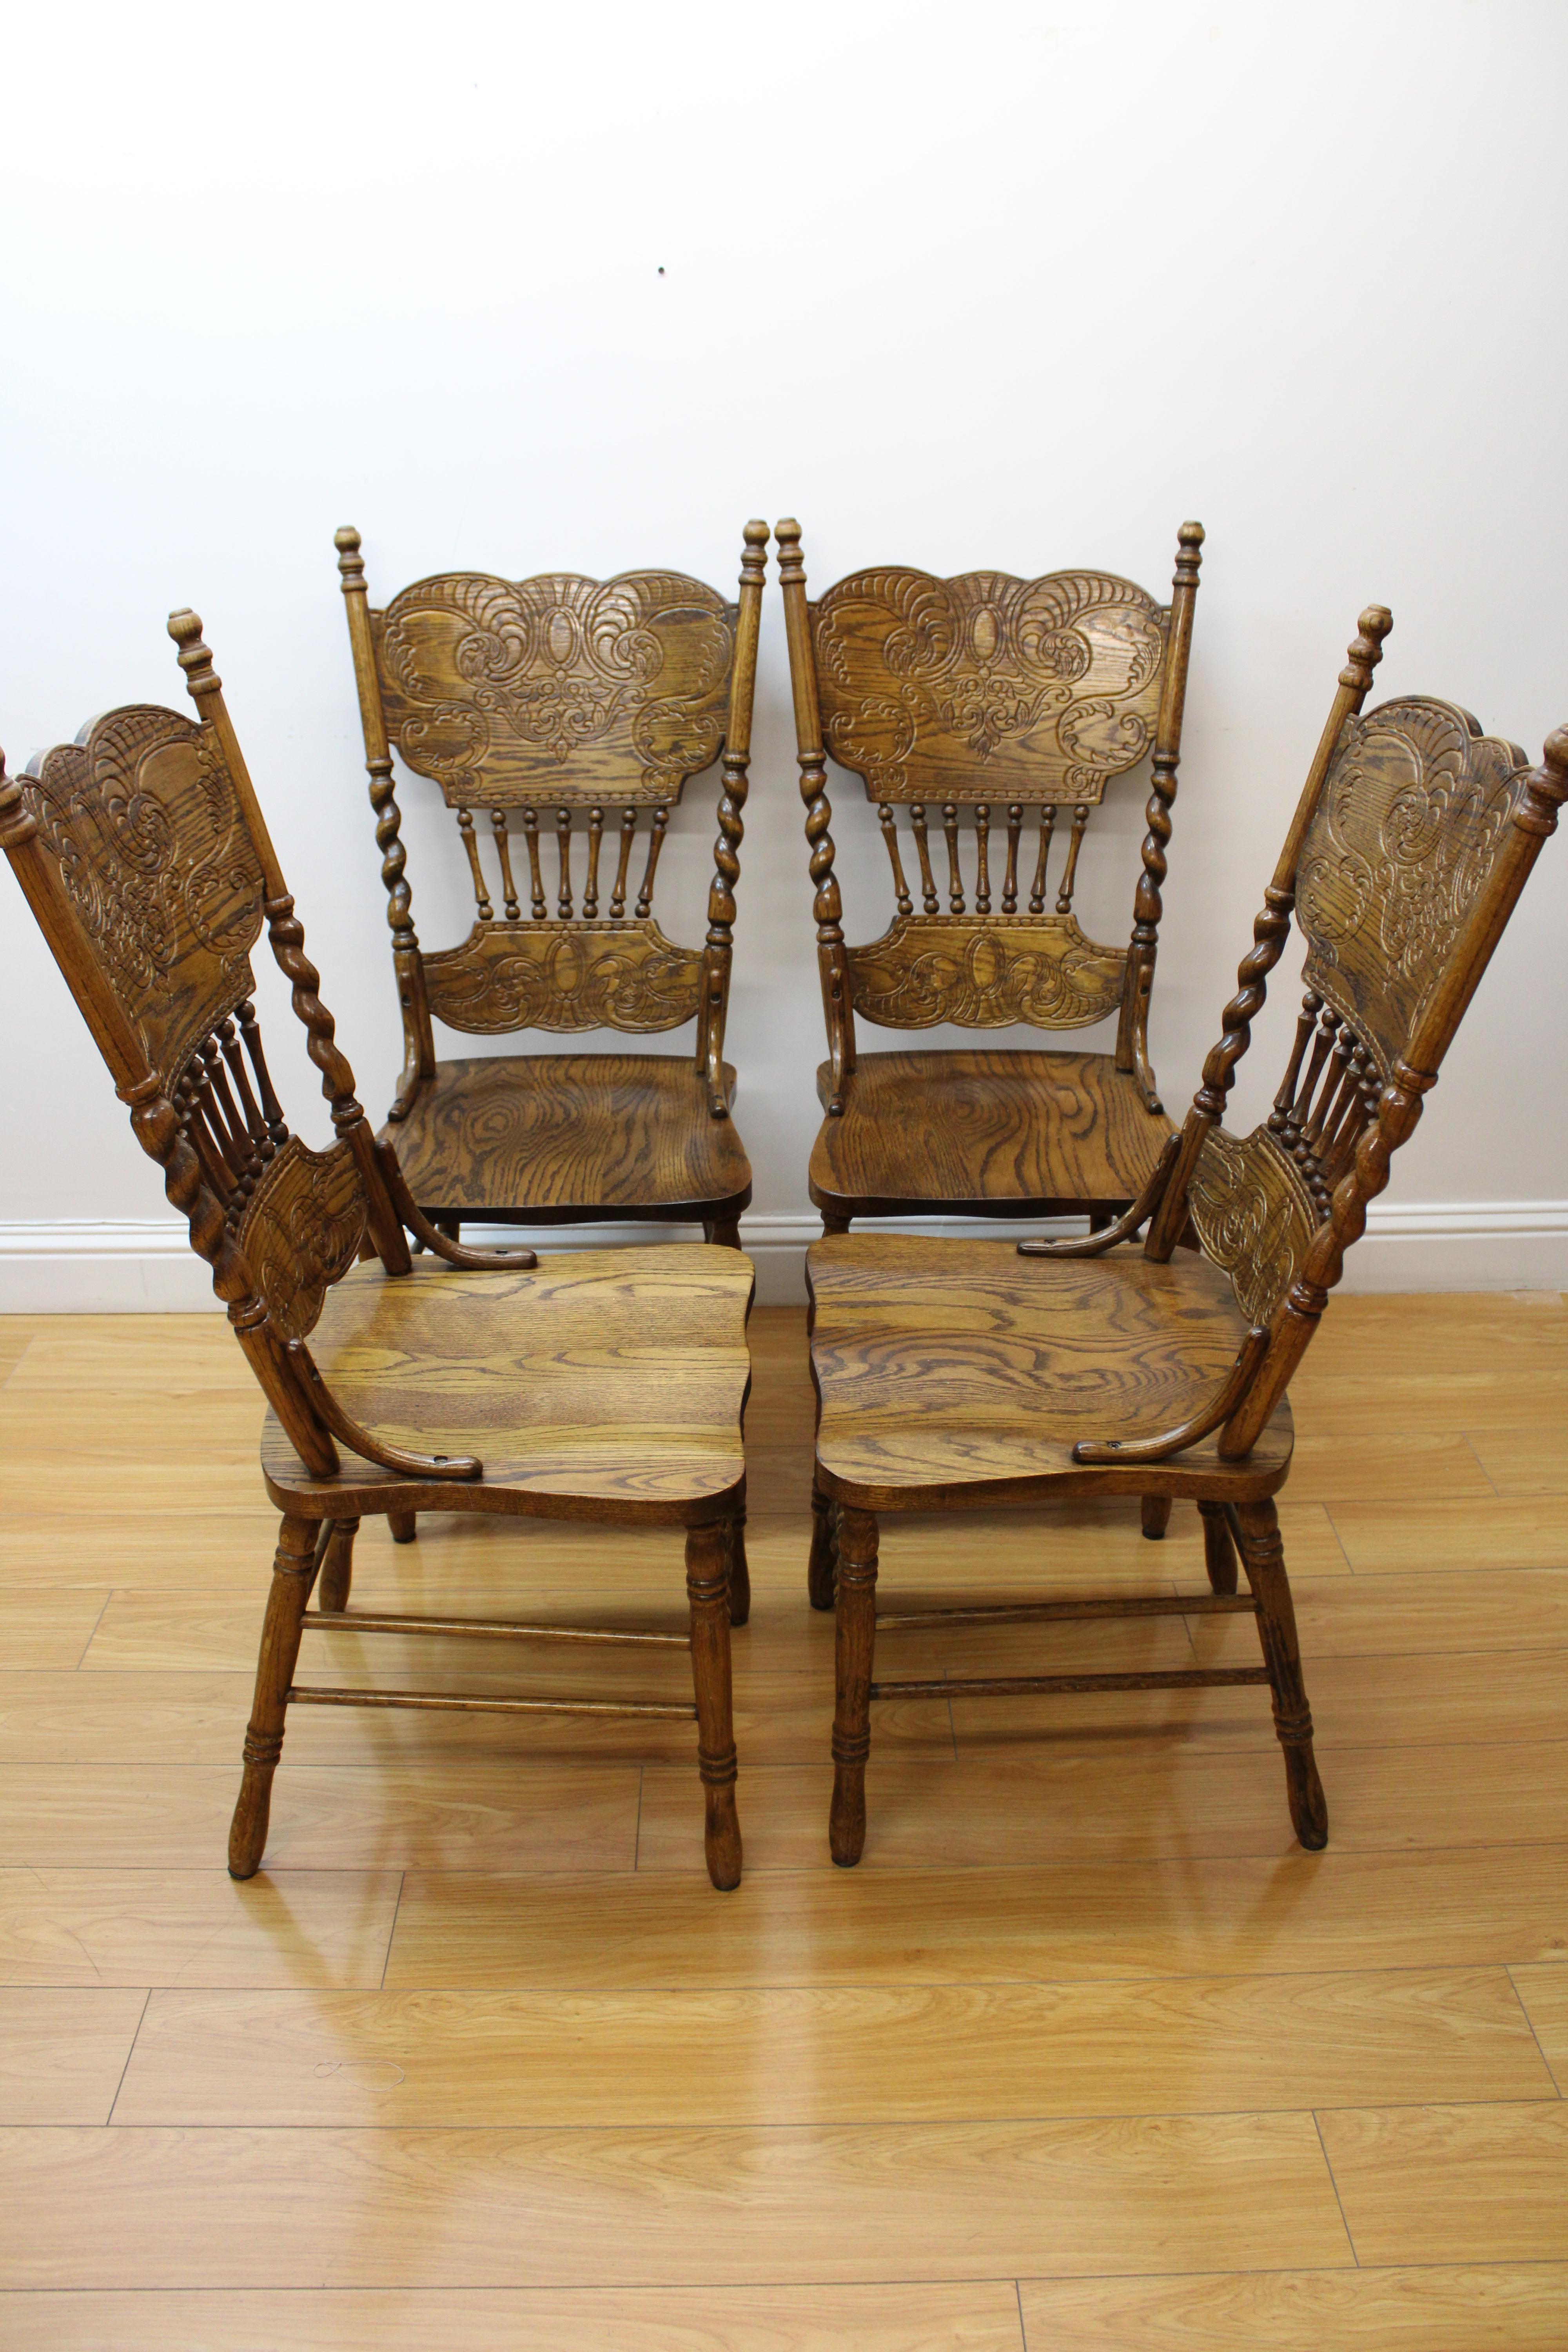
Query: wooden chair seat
x,y
968,1373
600,1378
984,1134
556,1137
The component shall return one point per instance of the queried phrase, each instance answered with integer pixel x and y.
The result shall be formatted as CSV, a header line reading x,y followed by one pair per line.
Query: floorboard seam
x,y
1551,2070
1333,2184
108,2118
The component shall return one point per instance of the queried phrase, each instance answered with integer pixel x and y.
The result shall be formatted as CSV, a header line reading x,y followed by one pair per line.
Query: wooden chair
x,y
952,1374
551,698
1009,704
607,1385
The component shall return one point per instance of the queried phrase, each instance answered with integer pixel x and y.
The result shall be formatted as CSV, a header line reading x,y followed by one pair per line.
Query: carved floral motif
x,y
1411,818
986,686
550,975
1037,969
302,1231
1254,1214
141,816
556,689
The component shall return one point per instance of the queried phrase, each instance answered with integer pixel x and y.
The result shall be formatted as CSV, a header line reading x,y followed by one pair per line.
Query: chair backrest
x,y
144,856
991,706
557,699
1412,841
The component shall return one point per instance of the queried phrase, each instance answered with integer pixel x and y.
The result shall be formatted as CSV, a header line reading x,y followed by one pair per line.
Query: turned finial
x,y
754,554
350,561
1189,546
17,823
1366,652
786,535
1547,787
194,659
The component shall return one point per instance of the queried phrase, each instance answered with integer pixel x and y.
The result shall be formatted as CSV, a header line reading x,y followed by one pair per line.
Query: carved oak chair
x,y
999,706
953,1374
605,1386
551,700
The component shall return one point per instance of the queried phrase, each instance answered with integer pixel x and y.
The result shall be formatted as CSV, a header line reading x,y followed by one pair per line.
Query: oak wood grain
x,y
410,2207
566,1138
63,2052
872,2054
1453,2184
980,2316
984,1133
1430,2309
1457,1906
112,1926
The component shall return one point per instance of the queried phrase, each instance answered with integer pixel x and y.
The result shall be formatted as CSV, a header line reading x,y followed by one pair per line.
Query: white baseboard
x,y
68,1267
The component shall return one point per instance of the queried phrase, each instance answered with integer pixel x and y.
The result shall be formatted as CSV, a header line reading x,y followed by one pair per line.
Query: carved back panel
x,y
1411,818
558,690
155,867
141,819
1414,816
985,687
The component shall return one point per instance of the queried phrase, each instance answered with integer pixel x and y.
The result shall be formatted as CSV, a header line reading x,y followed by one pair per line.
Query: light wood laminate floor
x,y
1086,2053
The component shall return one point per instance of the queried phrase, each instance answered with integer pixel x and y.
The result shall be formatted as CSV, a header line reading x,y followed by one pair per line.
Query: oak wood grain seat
x,y
563,1138
557,716
966,1374
607,1386
984,1133
955,1374
603,1377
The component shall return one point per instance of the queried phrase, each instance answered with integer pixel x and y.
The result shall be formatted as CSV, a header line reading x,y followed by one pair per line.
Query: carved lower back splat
x,y
573,707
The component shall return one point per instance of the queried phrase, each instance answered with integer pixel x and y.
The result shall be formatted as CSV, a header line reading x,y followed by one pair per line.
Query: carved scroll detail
x,y
986,687
985,975
580,975
1412,819
493,686
1254,1214
141,819
302,1231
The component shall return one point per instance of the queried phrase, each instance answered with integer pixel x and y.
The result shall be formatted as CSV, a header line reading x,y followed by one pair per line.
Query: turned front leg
x,y
708,1592
293,1574
821,1566
855,1649
740,1572
1263,1556
336,1564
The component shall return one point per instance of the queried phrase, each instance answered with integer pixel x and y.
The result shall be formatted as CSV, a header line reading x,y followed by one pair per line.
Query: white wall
x,y
1015,286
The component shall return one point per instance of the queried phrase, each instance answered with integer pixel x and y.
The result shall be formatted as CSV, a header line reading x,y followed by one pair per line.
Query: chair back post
x,y
832,958
1414,1074
286,937
1132,1033
418,1038
157,1128
1270,930
718,954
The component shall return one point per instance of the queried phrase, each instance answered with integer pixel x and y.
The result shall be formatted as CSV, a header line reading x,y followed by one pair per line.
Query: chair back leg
x,y
336,1563
1263,1556
822,1568
1219,1552
708,1569
855,1650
